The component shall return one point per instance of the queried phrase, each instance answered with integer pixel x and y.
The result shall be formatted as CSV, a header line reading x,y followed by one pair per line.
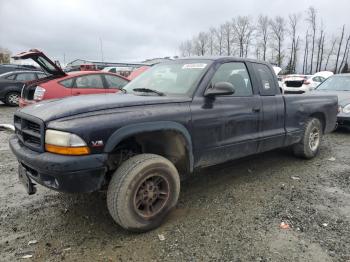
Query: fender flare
x,y
133,129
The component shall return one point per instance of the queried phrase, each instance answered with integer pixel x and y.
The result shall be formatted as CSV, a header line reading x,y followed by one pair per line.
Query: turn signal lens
x,y
62,150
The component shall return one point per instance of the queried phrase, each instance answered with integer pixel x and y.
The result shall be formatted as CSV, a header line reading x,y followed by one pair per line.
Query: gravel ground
x,y
230,212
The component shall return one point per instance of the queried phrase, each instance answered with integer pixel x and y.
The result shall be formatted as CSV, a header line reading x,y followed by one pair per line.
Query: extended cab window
x,y
235,73
268,86
115,81
89,81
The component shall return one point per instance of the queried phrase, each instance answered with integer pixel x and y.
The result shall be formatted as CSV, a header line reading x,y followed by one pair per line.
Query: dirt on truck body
x,y
235,209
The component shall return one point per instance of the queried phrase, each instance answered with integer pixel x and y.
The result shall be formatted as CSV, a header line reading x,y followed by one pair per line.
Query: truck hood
x,y
59,108
343,96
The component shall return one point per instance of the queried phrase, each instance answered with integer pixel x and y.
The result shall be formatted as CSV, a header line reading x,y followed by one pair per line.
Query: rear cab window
x,y
266,79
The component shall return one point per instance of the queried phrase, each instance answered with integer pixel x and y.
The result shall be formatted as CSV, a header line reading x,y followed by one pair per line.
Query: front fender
x,y
133,129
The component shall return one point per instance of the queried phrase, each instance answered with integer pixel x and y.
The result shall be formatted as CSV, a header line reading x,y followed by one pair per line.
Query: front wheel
x,y
142,191
309,145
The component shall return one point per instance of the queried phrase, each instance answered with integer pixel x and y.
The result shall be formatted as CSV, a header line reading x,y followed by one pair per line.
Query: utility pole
x,y
101,49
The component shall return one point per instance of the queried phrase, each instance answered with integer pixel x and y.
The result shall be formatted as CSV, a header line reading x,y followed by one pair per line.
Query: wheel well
x,y
322,118
167,143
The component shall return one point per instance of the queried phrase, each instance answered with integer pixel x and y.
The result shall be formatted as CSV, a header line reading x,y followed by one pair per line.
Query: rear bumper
x,y
295,90
73,174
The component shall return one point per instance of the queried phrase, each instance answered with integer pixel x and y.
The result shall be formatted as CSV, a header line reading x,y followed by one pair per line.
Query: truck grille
x,y
30,132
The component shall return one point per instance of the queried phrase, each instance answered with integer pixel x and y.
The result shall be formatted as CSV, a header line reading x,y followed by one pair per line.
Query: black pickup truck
x,y
177,117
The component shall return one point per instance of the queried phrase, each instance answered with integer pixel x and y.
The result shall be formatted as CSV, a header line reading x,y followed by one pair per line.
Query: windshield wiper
x,y
148,90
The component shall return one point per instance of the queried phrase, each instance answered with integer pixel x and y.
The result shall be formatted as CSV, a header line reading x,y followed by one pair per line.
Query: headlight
x,y
39,93
346,109
65,143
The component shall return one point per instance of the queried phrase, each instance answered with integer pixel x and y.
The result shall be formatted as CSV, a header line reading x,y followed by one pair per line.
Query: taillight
x,y
39,93
307,82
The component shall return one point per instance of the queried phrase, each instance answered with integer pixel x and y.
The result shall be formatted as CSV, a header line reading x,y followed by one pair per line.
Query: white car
x,y
299,84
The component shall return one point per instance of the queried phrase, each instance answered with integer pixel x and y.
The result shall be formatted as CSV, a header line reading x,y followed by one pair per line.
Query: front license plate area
x,y
25,180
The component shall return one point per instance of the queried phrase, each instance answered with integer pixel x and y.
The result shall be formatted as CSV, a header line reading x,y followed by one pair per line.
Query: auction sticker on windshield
x,y
194,66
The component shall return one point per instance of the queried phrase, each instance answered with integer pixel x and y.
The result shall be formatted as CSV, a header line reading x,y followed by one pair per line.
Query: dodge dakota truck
x,y
175,118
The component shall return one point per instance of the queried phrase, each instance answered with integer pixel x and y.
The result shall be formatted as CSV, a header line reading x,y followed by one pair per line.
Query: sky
x,y
133,30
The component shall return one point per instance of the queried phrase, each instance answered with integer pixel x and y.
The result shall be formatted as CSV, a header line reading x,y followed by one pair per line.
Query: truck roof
x,y
223,58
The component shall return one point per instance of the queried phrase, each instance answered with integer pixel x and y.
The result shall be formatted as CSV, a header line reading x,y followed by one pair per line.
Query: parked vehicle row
x,y
11,84
4,68
175,118
28,87
299,84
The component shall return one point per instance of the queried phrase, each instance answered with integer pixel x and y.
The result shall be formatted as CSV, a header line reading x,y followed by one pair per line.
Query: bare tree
x,y
263,33
200,44
219,34
311,18
338,54
319,44
5,55
242,29
293,23
321,55
278,32
296,49
330,53
211,38
306,52
228,35
186,48
345,53
248,39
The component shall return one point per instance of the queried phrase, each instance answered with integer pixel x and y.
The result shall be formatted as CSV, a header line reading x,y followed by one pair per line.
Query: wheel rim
x,y
13,99
314,139
151,196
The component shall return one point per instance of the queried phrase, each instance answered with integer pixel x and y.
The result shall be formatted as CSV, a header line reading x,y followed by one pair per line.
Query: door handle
x,y
256,109
77,93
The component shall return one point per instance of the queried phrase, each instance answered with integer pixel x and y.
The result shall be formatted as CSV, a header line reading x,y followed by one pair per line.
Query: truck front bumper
x,y
73,174
343,120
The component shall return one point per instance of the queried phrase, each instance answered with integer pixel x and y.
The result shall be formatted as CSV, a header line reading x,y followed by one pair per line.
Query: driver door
x,y
226,127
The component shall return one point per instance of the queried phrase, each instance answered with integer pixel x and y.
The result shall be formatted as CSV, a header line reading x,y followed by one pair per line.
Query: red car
x,y
60,84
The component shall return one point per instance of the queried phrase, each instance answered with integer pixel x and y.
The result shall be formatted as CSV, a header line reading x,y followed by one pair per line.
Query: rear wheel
x,y
142,192
309,145
12,98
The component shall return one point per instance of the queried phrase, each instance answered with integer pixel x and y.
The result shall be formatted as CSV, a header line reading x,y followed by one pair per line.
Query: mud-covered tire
x,y
309,145
12,98
137,179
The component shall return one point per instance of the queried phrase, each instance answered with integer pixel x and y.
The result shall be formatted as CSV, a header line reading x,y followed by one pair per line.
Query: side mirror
x,y
220,88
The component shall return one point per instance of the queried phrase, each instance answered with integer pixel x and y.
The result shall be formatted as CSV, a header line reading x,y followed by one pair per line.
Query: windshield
x,y
336,83
175,78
